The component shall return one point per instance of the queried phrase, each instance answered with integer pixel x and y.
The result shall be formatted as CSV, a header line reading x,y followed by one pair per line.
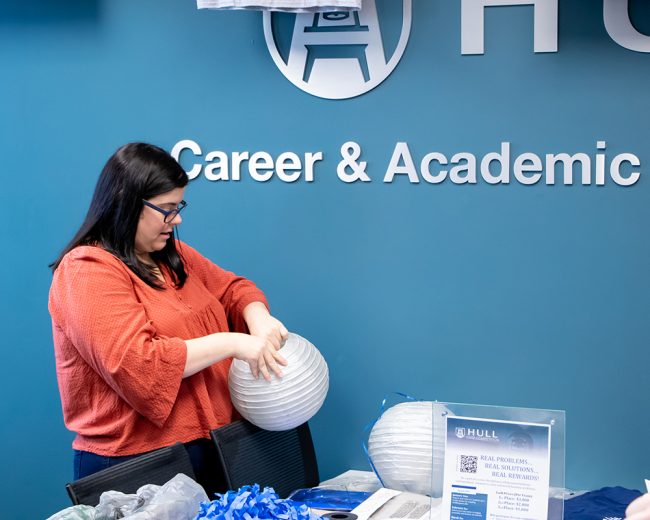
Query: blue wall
x,y
524,296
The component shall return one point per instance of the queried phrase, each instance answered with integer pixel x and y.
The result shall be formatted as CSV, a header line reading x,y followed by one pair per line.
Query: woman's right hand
x,y
260,355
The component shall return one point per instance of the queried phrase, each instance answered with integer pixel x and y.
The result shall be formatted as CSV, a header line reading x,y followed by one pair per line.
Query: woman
x,y
145,327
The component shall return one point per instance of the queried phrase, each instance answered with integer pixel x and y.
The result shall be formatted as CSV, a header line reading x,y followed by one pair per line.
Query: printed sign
x,y
496,470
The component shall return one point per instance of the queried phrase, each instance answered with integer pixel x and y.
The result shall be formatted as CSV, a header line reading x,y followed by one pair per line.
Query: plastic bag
x,y
75,513
178,499
114,504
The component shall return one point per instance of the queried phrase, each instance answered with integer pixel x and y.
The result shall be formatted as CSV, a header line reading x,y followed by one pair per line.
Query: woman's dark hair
x,y
136,171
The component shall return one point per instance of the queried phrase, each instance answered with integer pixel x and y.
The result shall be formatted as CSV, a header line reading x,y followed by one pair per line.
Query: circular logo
x,y
339,55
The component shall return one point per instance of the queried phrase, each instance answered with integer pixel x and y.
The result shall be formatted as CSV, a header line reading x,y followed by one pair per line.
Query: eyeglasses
x,y
169,214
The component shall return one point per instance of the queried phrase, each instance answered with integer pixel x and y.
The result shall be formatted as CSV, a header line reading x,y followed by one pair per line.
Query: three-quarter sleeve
x,y
93,302
234,292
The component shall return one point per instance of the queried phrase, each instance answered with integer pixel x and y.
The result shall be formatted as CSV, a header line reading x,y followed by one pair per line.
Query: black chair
x,y
156,467
285,460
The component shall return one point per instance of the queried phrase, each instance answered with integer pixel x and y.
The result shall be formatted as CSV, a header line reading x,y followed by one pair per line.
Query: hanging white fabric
x,y
292,6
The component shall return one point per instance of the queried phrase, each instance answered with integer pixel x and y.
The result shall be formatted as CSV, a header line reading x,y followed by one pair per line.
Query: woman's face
x,y
153,232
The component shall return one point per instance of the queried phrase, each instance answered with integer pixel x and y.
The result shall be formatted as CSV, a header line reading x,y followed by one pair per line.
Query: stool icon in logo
x,y
358,38
338,55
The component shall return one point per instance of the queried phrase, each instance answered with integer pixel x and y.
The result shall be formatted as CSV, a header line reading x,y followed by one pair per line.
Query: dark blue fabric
x,y
86,463
608,502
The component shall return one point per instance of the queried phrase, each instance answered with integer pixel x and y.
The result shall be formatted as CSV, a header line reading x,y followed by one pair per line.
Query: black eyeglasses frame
x,y
169,215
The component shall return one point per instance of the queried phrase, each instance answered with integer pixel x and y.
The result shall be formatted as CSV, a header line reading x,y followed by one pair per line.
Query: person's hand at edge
x,y
639,509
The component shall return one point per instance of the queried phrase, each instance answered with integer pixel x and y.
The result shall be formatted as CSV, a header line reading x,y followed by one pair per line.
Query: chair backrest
x,y
284,460
156,467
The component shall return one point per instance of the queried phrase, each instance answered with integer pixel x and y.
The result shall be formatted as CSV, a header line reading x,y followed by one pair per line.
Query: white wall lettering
x,y
569,164
525,163
503,159
401,163
188,144
620,28
425,167
500,167
473,24
615,169
261,166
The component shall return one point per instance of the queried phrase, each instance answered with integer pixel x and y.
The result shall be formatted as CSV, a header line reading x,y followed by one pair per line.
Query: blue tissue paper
x,y
249,503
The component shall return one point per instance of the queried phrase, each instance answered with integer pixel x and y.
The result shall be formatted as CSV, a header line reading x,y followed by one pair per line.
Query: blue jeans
x,y
203,456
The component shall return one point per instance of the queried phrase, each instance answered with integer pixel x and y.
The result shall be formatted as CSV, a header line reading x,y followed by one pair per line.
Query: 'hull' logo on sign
x,y
339,55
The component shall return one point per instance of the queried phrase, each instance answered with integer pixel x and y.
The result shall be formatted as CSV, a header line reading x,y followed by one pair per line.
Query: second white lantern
x,y
407,444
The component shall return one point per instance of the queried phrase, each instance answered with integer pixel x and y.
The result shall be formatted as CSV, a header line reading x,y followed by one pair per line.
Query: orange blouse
x,y
120,353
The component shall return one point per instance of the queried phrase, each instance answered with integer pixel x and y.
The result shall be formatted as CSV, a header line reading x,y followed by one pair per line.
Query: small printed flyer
x,y
496,470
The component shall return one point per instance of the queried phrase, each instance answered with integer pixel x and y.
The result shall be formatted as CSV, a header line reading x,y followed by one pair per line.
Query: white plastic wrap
x,y
178,499
75,513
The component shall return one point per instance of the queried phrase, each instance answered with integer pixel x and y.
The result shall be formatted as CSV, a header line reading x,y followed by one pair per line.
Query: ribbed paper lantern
x,y
407,451
287,402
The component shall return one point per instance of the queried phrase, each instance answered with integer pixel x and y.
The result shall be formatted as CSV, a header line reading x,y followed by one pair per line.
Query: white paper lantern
x,y
407,447
287,402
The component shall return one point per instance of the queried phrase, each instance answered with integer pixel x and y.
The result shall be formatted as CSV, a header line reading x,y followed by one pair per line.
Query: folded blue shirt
x,y
608,503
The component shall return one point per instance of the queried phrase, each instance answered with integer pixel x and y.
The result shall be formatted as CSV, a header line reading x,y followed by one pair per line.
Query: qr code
x,y
468,464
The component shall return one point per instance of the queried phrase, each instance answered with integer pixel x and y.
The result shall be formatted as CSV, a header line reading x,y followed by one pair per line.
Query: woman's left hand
x,y
264,326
